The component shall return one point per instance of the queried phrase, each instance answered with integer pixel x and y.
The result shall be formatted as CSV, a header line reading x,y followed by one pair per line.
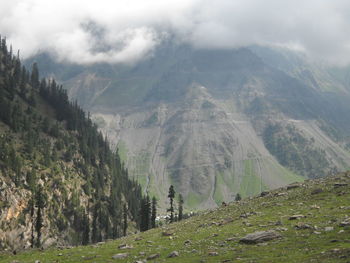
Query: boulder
x,y
173,254
120,256
293,186
259,237
294,217
153,256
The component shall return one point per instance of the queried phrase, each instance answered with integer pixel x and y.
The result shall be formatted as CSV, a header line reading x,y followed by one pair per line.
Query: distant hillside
x,y
215,123
58,176
304,222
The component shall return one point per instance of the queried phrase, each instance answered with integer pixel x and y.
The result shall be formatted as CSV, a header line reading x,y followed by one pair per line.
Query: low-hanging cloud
x,y
115,31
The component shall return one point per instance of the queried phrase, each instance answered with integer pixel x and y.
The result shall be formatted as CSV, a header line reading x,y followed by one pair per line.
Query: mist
x,y
115,31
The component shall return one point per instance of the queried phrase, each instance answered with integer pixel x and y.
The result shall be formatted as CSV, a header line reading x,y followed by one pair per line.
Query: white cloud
x,y
125,31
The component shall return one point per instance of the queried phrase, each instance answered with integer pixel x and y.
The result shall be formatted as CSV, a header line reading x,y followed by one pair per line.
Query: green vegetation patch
x,y
251,184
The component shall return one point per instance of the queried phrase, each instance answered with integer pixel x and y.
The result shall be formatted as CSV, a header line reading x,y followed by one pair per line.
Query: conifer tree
x,y
154,212
125,223
32,237
34,78
171,196
238,197
181,202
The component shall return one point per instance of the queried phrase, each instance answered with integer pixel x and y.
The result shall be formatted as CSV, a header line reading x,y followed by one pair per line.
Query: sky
x,y
114,31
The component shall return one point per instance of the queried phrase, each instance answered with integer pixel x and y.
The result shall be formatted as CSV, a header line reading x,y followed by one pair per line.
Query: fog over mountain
x,y
119,32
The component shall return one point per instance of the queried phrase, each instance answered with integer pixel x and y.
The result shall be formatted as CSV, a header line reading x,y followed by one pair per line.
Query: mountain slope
x,y
199,119
59,181
310,219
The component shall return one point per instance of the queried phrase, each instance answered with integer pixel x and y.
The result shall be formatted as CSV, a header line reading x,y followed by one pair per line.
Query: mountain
x,y
305,222
59,181
215,123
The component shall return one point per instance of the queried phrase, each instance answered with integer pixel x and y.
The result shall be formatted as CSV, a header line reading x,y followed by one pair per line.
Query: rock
x,y
278,223
187,242
281,229
281,194
337,185
264,193
315,207
36,261
259,237
300,226
293,186
142,253
173,254
231,239
138,239
226,221
316,191
294,217
167,234
120,256
194,251
329,228
213,253
60,254
153,256
344,223
125,246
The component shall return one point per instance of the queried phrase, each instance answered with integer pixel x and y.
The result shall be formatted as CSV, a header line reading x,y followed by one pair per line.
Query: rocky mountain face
x,y
215,123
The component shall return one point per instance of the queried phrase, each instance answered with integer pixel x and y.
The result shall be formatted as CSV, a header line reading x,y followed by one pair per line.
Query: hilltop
x,y
307,222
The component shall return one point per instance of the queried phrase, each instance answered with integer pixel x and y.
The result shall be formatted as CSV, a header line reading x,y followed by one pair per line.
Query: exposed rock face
x,y
259,237
196,119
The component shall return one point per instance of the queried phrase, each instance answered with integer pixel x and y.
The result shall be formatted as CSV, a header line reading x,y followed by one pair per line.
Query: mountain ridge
x,y
182,97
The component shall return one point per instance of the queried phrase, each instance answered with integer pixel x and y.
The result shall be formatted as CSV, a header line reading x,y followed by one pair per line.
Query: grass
x,y
209,231
219,182
251,183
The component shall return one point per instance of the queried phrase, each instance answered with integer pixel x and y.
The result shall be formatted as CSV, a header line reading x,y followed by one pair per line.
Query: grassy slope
x,y
325,209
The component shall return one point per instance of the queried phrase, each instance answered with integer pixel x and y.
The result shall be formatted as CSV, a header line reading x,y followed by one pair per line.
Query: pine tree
x,y
181,202
86,228
32,237
154,212
34,78
125,223
145,214
171,196
238,197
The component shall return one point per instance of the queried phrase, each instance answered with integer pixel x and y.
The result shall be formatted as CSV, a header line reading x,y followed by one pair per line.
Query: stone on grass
x,y
316,191
294,217
301,226
213,253
336,185
329,228
125,246
167,234
259,237
120,256
293,186
345,223
173,254
153,256
264,193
